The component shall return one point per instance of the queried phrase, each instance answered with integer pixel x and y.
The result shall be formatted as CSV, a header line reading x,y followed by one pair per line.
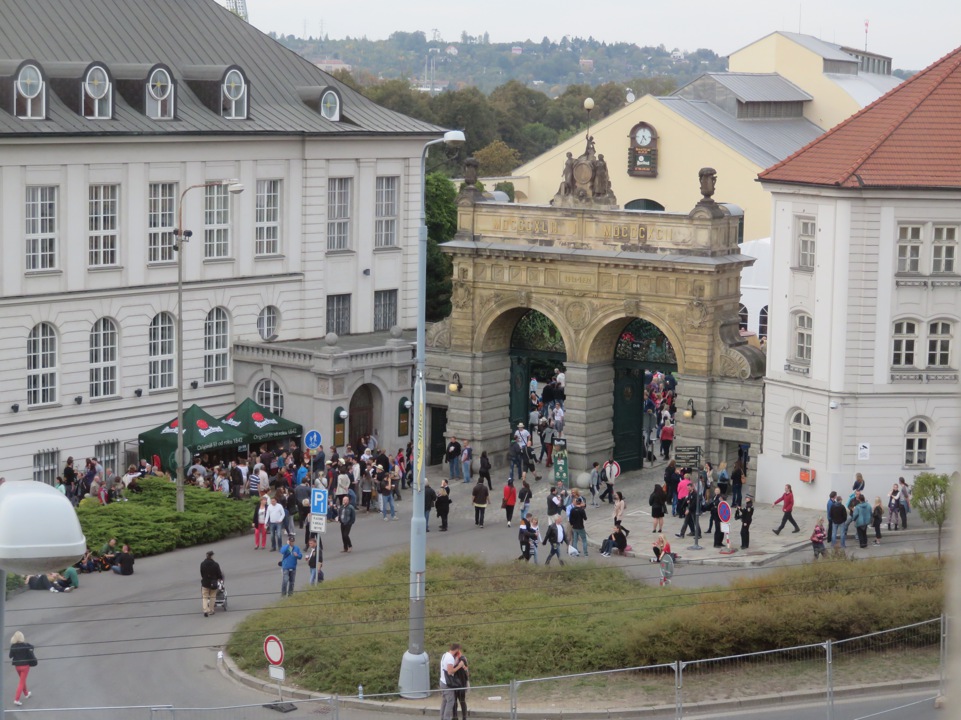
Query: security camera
x,y
833,405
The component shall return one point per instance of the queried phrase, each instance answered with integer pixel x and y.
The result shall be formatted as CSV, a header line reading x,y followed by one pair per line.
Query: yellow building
x,y
781,93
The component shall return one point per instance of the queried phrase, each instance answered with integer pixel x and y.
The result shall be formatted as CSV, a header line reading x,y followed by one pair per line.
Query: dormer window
x,y
234,96
330,105
97,95
30,94
160,95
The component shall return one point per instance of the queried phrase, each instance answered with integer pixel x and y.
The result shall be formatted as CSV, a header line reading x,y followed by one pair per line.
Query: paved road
x,y
143,640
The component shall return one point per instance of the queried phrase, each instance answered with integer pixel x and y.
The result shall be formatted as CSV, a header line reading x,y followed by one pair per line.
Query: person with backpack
x,y
605,478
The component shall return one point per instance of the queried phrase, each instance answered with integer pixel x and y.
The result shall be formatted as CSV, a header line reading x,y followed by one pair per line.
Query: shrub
x,y
13,582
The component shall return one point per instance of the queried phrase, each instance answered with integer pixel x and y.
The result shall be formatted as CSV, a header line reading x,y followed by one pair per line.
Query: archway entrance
x,y
536,349
361,415
642,351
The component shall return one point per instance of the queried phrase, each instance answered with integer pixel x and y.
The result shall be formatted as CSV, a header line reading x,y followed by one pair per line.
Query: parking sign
x,y
318,501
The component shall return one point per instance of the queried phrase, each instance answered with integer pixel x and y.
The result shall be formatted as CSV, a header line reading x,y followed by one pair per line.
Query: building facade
x,y
294,291
863,357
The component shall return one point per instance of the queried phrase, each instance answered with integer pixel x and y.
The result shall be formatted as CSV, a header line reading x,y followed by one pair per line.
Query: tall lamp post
x,y
39,532
414,668
181,236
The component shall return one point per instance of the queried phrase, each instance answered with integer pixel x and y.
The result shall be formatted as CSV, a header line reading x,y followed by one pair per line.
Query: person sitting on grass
x,y
616,541
124,564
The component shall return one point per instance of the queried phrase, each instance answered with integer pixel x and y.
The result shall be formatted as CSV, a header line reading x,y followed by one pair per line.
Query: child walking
x,y
876,516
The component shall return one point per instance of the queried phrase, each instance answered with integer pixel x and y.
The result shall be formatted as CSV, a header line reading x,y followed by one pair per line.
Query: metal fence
x,y
889,674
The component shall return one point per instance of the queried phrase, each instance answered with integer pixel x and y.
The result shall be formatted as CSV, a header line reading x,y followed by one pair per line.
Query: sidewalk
x,y
766,547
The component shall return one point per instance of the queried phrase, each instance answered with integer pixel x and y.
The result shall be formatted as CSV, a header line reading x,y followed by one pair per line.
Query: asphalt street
x,y
143,640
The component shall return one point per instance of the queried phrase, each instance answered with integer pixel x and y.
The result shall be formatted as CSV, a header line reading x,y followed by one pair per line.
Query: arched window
x,y
742,317
644,204
160,95
269,395
103,358
30,94
762,323
916,443
160,372
803,332
97,94
234,95
268,322
216,346
905,342
42,365
800,435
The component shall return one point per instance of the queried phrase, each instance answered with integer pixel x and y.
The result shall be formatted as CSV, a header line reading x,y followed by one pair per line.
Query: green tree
x,y
930,496
441,214
468,110
497,159
398,96
507,187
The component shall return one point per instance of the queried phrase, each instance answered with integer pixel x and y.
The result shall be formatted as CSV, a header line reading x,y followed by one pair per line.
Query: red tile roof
x,y
908,138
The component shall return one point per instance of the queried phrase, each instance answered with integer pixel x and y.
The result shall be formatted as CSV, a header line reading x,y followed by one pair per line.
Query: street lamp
x,y
39,532
181,236
414,668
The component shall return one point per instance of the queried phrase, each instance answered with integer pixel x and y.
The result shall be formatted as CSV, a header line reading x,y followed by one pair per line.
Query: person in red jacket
x,y
788,499
510,500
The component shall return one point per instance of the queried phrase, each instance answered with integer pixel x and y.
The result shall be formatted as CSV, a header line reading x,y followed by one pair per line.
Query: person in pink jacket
x,y
788,499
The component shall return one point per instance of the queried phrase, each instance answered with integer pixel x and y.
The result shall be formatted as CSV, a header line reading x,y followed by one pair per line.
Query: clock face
x,y
643,136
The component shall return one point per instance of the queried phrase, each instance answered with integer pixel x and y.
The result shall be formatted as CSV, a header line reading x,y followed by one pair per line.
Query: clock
x,y
643,136
642,152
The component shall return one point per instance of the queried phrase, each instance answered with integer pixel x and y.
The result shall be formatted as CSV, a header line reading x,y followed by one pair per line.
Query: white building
x,y
863,358
108,112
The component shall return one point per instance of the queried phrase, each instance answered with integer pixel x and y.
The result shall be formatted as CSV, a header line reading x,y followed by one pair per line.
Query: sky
x,y
914,34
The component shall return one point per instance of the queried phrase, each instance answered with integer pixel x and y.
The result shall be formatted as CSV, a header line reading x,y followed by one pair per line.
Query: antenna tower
x,y
238,7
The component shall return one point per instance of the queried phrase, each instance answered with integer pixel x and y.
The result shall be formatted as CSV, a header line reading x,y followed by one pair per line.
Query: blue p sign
x,y
318,501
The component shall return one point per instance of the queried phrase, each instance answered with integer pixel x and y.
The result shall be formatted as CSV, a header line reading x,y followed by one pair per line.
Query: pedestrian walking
x,y
289,555
315,561
430,497
524,496
210,577
555,538
275,521
509,500
449,665
577,517
524,538
23,658
534,532
260,524
905,502
480,496
485,469
453,458
347,516
786,517
595,479
737,482
442,505
658,503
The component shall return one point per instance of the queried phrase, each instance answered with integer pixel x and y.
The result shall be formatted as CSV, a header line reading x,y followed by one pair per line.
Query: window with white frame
x,y
905,343
268,322
107,453
102,225
160,95
944,248
160,352
385,212
939,345
338,213
97,94
916,443
267,218
30,94
385,309
805,233
803,333
161,216
909,248
269,395
742,317
338,314
103,358
46,466
800,435
216,222
42,365
762,323
41,227
234,96
216,346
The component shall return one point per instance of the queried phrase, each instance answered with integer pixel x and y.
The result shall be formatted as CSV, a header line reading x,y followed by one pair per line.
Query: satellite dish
x,y
631,97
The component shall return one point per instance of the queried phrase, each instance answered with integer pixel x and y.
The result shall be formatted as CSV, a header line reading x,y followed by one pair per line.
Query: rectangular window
x,y
385,225
338,314
107,453
102,224
806,231
41,228
161,199
804,327
909,248
944,248
216,222
385,309
338,214
905,337
939,345
267,218
46,464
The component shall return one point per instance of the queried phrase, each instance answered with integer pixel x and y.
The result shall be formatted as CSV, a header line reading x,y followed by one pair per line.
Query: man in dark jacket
x,y
838,515
480,495
746,516
347,516
430,497
577,519
210,575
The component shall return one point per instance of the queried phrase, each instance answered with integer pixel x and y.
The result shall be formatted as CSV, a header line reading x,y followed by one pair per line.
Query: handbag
x,y
453,682
503,504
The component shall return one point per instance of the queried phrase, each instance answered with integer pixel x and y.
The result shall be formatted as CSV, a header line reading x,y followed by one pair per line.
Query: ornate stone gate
x,y
592,270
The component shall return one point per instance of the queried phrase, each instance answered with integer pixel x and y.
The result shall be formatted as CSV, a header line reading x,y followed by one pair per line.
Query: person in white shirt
x,y
450,663
275,523
558,418
555,538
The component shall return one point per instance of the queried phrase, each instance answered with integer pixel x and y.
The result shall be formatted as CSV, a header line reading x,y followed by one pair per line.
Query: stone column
x,y
479,412
589,414
695,430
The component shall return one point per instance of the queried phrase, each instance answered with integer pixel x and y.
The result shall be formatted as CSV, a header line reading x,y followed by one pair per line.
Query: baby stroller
x,y
667,568
221,599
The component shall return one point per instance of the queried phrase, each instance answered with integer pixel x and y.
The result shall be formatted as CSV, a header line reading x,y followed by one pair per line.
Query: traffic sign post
x,y
724,515
318,524
313,440
274,652
318,501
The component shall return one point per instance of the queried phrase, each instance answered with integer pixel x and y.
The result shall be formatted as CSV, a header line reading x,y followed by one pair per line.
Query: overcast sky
x,y
913,33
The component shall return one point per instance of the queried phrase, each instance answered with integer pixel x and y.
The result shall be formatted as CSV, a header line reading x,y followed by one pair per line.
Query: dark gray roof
x,y
131,36
764,142
760,87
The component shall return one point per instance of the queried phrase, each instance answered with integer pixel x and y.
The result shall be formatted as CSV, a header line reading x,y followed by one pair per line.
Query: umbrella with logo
x,y
258,424
202,431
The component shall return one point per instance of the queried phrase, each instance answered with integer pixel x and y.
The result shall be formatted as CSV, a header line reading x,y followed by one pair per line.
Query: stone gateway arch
x,y
592,272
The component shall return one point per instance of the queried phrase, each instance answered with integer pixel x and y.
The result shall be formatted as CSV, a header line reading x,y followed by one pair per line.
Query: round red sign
x,y
274,650
202,424
258,417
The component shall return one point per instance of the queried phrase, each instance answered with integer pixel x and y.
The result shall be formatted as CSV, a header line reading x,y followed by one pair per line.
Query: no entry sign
x,y
274,650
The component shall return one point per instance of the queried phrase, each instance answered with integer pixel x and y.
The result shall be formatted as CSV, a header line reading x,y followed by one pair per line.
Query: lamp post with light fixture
x,y
414,668
181,236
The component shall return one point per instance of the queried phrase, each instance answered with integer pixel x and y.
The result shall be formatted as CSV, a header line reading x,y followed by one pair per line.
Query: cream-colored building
x,y
781,93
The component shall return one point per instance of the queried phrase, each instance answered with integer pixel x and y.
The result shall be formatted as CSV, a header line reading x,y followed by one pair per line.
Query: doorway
x,y
361,416
438,435
537,348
